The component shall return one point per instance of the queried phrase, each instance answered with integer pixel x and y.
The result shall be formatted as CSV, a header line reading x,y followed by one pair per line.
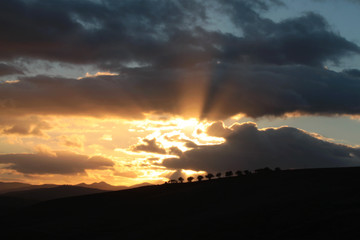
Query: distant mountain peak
x,y
101,183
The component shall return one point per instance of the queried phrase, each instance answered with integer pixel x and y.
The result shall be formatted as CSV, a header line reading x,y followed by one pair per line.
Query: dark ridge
x,y
44,194
16,186
292,204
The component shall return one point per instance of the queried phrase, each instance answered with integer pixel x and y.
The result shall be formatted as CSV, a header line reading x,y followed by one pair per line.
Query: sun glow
x,y
89,75
112,138
192,172
176,132
165,137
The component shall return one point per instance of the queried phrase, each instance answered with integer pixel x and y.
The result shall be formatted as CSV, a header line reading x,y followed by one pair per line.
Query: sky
x,y
139,91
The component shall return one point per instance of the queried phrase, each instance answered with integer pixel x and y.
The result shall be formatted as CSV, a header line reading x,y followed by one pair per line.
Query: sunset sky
x,y
138,91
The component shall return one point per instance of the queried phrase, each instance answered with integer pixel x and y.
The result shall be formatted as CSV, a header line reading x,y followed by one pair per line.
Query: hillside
x,y
107,187
14,200
297,204
16,186
6,187
44,194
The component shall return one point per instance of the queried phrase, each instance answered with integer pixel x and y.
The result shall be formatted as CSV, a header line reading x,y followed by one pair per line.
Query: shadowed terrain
x,y
13,200
44,194
293,204
16,186
14,195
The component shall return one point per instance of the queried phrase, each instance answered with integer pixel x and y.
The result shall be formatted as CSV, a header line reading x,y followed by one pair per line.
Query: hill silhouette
x,y
44,194
13,200
294,204
102,186
6,187
16,186
108,187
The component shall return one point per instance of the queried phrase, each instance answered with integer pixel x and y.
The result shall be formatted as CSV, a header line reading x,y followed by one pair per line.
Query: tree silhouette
x,y
239,173
190,179
228,173
209,176
265,170
181,180
173,181
218,175
247,172
199,178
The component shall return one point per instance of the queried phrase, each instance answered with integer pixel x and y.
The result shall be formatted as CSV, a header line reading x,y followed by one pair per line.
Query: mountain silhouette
x,y
105,186
291,204
102,186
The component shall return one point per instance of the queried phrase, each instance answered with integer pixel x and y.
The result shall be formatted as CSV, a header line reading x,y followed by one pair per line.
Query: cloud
x,y
175,151
352,72
57,162
128,174
168,33
26,126
254,90
76,141
183,67
149,145
174,175
190,144
306,39
247,147
9,70
218,129
105,30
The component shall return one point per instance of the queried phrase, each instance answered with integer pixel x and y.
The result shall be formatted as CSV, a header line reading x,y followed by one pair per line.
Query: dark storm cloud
x,y
166,33
269,68
255,90
8,70
275,90
66,163
304,40
352,72
90,31
250,148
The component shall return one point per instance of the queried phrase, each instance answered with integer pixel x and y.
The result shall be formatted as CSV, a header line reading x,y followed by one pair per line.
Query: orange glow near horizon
x,y
109,138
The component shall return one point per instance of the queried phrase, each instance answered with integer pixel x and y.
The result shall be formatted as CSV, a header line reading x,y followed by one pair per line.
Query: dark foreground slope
x,y
303,204
15,200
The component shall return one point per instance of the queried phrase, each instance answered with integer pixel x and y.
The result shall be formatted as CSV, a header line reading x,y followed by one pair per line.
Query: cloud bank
x,y
166,33
25,126
255,90
247,147
170,56
8,70
60,162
